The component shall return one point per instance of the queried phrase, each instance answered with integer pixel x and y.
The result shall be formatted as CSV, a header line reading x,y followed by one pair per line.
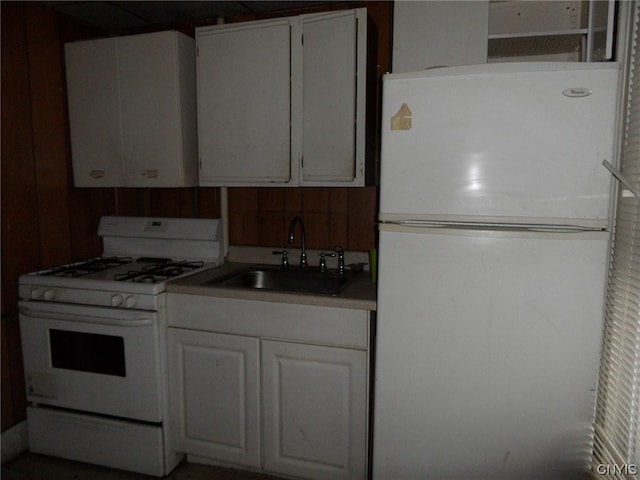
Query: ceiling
x,y
115,16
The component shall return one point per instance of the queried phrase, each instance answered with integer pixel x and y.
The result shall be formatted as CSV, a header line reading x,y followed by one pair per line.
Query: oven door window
x,y
87,352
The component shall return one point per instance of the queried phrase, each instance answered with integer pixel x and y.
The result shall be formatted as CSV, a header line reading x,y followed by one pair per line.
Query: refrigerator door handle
x,y
532,227
621,178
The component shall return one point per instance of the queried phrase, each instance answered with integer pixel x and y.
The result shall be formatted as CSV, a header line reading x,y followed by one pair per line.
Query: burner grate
x,y
158,272
87,267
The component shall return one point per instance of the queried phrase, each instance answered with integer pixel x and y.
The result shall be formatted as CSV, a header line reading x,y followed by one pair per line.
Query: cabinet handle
x,y
96,173
150,173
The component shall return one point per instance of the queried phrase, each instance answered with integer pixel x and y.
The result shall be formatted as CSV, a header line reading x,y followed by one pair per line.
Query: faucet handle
x,y
285,258
323,260
340,251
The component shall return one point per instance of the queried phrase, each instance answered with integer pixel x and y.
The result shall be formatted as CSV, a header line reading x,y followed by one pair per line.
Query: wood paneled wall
x,y
35,190
46,221
332,216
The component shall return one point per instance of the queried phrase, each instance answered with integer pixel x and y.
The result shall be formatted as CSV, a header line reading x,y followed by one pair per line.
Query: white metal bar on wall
x,y
617,431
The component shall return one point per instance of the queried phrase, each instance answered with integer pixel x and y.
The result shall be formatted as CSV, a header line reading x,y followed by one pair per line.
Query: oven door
x,y
92,359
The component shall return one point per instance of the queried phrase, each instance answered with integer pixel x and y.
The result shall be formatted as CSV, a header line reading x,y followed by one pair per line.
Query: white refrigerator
x,y
494,231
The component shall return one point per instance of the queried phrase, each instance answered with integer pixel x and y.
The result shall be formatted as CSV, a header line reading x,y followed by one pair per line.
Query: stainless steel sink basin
x,y
290,279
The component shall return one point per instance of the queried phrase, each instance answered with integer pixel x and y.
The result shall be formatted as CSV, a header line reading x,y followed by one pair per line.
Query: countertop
x,y
360,294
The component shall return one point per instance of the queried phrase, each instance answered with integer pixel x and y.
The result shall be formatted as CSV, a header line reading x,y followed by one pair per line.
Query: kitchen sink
x,y
291,279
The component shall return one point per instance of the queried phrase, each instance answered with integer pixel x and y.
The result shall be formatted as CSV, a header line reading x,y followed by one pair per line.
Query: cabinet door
x,y
94,113
314,410
333,96
152,143
244,103
214,388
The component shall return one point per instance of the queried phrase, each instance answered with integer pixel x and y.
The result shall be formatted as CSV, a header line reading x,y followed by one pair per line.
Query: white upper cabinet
x,y
334,62
244,103
132,111
282,102
94,113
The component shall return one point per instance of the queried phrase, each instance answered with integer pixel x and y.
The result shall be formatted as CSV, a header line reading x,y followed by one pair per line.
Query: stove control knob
x,y
37,294
131,301
49,294
116,300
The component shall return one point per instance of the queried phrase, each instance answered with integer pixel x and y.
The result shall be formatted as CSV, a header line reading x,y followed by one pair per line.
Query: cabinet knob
x,y
96,173
150,173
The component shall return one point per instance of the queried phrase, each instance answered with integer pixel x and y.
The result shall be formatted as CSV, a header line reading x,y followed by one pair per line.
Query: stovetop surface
x,y
123,269
121,274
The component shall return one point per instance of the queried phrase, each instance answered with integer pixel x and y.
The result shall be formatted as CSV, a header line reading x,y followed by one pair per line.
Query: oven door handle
x,y
136,320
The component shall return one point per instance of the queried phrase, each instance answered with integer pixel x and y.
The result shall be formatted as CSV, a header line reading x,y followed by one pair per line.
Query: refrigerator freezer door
x,y
502,140
487,354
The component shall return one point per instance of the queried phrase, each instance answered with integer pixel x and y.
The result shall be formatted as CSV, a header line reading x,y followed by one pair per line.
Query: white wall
x,y
439,33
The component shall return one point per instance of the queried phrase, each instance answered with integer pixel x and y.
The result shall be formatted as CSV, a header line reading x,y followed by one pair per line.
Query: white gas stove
x,y
140,255
94,343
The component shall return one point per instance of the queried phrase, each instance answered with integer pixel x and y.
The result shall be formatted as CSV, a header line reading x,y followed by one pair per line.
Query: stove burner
x,y
158,272
143,278
87,267
156,260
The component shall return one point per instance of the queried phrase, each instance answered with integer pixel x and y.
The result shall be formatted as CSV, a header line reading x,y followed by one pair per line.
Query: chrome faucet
x,y
292,228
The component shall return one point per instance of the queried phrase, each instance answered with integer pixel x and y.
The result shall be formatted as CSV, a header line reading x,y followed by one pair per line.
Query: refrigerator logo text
x,y
577,92
402,119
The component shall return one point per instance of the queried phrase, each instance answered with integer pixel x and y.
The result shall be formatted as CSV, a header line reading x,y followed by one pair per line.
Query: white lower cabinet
x,y
214,395
314,410
281,388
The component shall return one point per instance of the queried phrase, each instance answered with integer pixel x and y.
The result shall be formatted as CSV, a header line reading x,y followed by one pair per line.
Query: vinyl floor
x,y
29,466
